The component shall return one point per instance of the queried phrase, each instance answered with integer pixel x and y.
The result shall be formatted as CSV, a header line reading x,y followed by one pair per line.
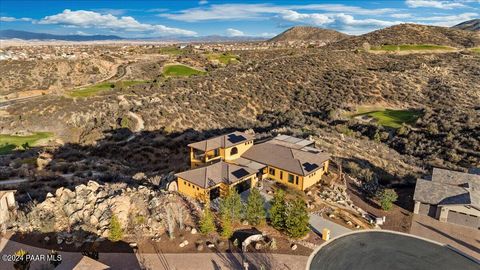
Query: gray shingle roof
x,y
220,172
449,187
298,161
222,141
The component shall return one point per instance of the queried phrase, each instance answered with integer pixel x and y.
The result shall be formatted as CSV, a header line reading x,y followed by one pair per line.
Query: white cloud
x,y
13,19
401,15
202,2
91,19
258,11
234,32
339,20
449,20
433,4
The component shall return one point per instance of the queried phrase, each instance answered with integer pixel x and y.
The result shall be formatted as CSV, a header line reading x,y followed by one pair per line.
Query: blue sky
x,y
229,18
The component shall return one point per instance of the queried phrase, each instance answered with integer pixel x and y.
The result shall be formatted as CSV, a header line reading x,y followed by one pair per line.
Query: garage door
x,y
463,219
428,210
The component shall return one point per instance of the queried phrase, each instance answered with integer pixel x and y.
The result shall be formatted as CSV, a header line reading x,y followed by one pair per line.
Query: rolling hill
x,y
413,34
472,25
309,33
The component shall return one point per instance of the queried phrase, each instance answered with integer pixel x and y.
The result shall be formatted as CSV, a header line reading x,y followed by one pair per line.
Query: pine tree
x,y
116,231
255,208
227,228
277,211
231,206
296,223
207,224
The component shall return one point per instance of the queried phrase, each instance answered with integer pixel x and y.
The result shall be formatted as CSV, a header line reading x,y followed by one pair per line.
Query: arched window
x,y
234,151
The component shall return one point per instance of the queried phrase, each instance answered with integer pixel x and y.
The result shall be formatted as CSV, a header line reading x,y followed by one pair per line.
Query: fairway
x,y
181,71
97,88
171,51
477,50
224,58
9,143
412,47
393,118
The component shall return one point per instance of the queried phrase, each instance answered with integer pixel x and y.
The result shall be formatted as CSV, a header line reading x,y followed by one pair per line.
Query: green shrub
x,y
116,231
387,197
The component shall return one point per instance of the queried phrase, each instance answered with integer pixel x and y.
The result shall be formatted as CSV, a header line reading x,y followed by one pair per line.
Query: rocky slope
x,y
413,34
472,25
309,33
89,208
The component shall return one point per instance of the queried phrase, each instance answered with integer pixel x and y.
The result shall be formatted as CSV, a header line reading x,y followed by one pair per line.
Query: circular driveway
x,y
380,250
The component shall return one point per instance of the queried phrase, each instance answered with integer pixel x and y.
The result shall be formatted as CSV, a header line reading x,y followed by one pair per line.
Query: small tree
x,y
227,228
255,208
277,211
231,206
296,223
116,231
207,224
387,197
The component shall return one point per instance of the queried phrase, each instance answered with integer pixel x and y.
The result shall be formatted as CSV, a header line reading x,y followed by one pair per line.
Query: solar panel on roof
x,y
307,166
240,173
235,138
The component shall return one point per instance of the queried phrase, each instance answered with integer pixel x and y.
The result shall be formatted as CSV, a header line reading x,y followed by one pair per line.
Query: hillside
x,y
265,93
413,34
472,25
309,33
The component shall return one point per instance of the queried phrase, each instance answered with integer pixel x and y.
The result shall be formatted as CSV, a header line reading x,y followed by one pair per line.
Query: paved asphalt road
x,y
381,250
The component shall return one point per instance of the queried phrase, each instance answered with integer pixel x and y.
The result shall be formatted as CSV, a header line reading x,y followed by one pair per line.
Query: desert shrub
x,y
116,231
387,197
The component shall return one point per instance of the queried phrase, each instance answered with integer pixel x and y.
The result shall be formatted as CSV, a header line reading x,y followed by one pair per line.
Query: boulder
x,y
294,247
193,231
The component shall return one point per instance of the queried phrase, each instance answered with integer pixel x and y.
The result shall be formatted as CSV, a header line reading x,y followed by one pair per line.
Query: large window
x,y
290,178
281,175
271,171
234,151
216,152
296,180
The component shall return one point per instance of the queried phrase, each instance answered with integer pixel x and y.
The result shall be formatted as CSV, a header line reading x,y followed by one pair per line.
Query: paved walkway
x,y
318,223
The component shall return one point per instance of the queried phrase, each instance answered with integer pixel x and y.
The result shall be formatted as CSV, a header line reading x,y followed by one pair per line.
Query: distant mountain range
x,y
24,35
472,25
10,34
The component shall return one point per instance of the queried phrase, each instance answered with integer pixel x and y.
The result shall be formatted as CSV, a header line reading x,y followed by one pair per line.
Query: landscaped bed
x,y
9,143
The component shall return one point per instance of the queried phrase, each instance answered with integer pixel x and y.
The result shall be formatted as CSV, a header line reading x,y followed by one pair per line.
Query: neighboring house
x,y
449,197
288,160
7,204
